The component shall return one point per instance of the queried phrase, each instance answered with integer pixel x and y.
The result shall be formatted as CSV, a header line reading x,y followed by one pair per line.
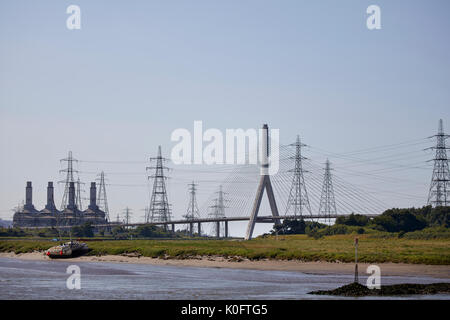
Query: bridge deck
x,y
267,219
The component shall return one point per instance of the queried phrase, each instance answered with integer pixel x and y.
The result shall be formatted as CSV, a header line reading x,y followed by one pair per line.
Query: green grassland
x,y
289,247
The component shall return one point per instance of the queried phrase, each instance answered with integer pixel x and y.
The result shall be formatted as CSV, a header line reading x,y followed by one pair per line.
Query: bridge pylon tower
x,y
264,184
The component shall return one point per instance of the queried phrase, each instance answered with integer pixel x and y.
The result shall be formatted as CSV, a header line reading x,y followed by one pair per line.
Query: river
x,y
26,279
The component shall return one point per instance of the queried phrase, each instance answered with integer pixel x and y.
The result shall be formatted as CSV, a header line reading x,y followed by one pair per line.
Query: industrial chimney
x,y
29,196
50,197
93,197
72,196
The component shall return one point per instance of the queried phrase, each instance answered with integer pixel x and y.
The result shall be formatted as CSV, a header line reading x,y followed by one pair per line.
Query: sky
x,y
137,70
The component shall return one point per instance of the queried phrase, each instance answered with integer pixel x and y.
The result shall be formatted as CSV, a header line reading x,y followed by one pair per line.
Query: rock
x,y
358,290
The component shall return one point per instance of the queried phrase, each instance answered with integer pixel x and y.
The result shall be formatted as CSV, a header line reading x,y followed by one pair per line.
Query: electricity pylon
x,y
298,201
218,212
69,178
327,205
192,211
127,215
146,214
159,204
102,200
439,193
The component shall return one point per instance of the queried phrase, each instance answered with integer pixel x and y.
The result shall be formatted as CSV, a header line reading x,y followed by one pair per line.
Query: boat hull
x,y
67,251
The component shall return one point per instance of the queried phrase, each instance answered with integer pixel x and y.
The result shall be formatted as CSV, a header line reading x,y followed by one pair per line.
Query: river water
x,y
25,279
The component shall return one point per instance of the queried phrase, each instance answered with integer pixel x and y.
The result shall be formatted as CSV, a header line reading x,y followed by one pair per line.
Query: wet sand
x,y
317,267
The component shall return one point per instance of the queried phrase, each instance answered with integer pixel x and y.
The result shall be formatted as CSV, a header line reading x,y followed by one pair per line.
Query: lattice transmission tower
x,y
327,206
127,215
102,200
159,210
298,201
70,178
146,214
439,193
192,211
218,211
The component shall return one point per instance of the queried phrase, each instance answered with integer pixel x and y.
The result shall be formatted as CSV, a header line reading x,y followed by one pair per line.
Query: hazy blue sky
x,y
137,70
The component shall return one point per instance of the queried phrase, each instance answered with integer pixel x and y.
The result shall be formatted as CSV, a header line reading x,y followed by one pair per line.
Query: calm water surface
x,y
22,279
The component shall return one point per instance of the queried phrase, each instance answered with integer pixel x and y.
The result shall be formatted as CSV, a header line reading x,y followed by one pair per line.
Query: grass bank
x,y
292,247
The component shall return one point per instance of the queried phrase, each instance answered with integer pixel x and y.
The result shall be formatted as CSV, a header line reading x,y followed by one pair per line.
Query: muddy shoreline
x,y
316,267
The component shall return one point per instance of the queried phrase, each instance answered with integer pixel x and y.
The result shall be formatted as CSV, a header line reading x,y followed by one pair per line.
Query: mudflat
x,y
312,267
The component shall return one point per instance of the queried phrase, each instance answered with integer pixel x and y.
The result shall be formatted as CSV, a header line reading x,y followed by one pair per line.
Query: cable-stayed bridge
x,y
296,191
240,187
303,188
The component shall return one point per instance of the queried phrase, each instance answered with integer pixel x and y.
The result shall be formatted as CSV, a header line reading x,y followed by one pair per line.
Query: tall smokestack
x,y
93,197
71,196
50,197
29,196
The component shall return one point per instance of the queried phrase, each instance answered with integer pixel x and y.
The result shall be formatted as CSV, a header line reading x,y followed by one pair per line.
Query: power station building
x,y
29,216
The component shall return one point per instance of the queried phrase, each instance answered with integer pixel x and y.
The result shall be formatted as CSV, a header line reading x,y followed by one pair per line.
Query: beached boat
x,y
68,250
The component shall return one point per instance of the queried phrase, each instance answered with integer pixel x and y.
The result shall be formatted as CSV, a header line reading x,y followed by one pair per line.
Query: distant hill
x,y
5,223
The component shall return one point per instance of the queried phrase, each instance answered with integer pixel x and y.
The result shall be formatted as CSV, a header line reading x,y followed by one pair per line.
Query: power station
x,y
50,216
